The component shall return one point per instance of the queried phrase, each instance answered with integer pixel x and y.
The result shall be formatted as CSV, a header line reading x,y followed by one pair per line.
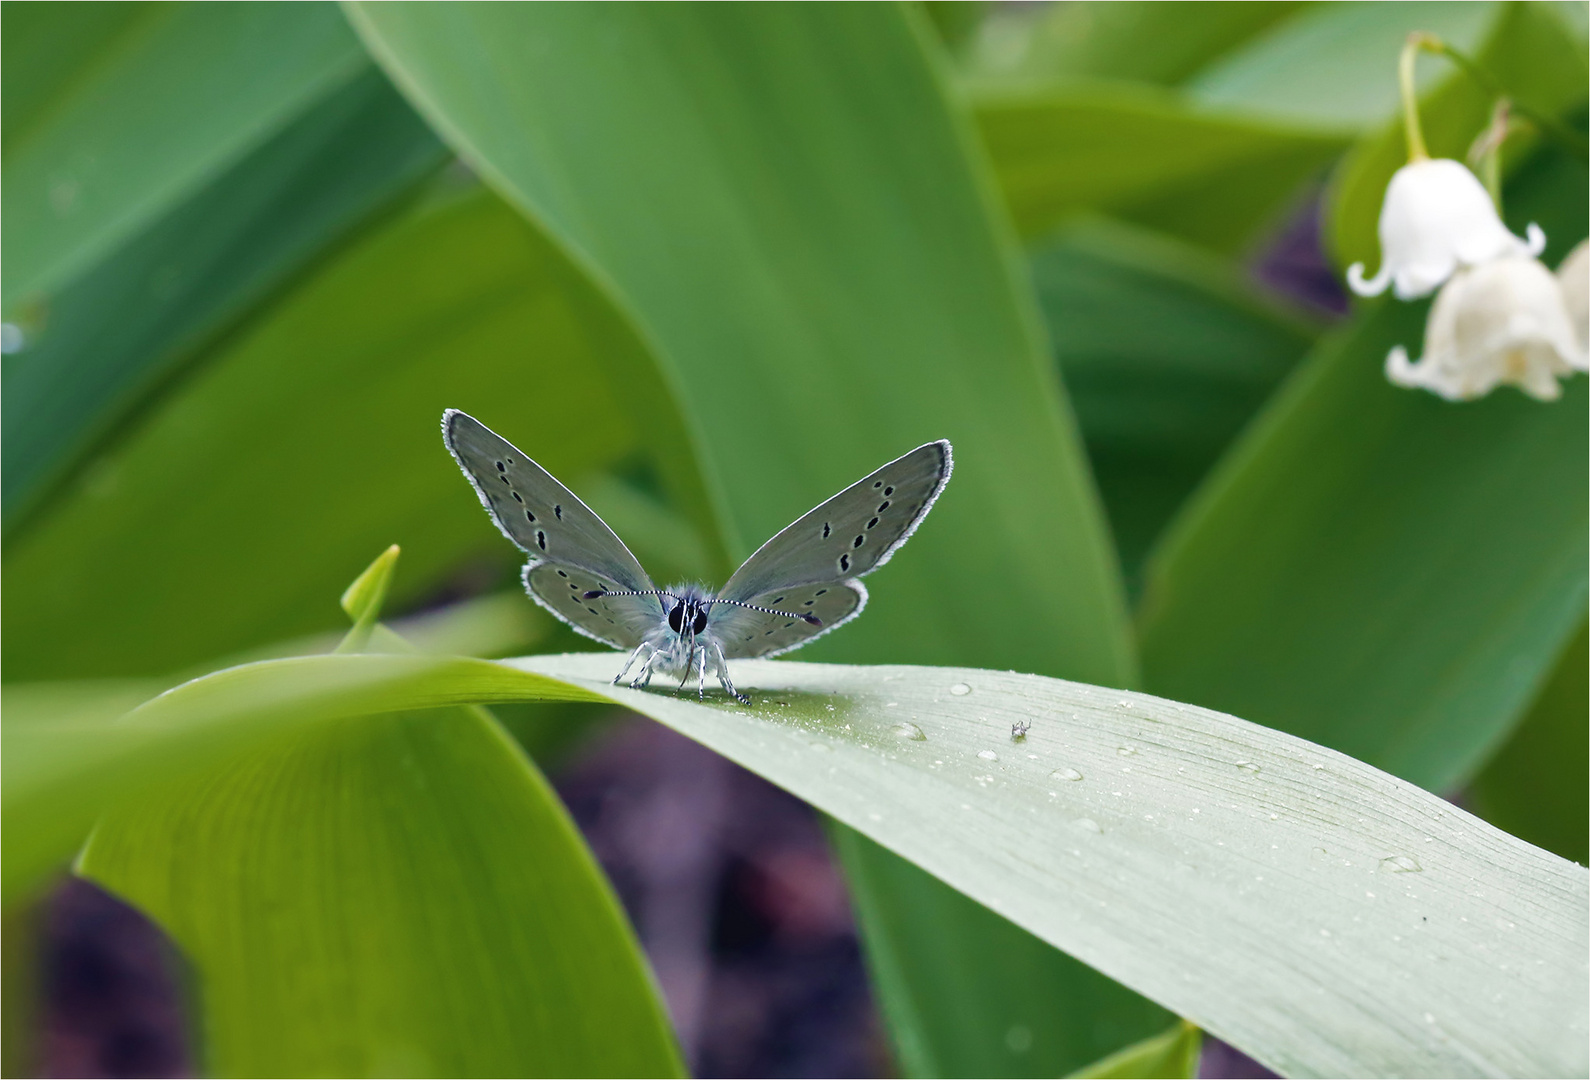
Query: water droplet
x,y
1401,864
1065,774
1126,751
1126,704
988,755
1248,767
907,730
960,689
1087,825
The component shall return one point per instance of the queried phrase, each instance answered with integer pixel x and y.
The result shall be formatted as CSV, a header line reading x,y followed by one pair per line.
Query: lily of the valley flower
x,y
1574,277
1437,217
1504,321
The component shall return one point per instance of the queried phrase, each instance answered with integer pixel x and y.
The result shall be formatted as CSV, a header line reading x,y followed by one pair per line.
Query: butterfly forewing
x,y
851,534
746,632
558,532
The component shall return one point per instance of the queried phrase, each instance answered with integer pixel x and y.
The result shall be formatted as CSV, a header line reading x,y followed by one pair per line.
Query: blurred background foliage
x,y
706,264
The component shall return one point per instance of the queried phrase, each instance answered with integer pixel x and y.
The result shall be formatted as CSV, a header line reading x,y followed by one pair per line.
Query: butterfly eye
x,y
676,617
700,624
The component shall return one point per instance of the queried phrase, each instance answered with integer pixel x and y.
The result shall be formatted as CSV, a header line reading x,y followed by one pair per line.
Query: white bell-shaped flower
x,y
1504,321
1574,277
1437,217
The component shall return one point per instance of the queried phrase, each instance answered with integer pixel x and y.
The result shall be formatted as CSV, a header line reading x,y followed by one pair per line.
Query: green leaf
x,y
1321,915
786,201
1167,353
1375,568
1173,1053
1536,787
398,895
1528,49
363,599
312,441
1139,40
1137,152
143,114
131,324
1334,66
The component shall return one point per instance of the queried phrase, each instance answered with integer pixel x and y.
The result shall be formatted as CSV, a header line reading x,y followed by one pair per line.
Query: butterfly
x,y
796,587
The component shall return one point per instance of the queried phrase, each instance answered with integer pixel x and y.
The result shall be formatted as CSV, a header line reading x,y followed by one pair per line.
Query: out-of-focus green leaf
x,y
1377,569
1334,66
784,198
1167,351
148,109
1536,786
1321,915
1529,50
1063,1010
398,895
1150,41
1133,150
122,330
313,441
1172,1054
955,20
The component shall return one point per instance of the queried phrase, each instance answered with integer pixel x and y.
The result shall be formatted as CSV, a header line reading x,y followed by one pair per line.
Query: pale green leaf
x,y
1334,66
1323,916
389,896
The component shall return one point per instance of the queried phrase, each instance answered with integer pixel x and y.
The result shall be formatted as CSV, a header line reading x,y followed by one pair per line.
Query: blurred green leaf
x,y
1134,150
783,197
1377,569
362,600
1173,1053
1056,1010
143,112
1321,915
1167,351
398,895
312,441
1150,41
1536,786
1334,66
1529,50
119,334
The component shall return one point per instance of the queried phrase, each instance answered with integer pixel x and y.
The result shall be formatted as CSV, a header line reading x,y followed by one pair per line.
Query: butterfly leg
x,y
630,663
690,657
722,665
701,675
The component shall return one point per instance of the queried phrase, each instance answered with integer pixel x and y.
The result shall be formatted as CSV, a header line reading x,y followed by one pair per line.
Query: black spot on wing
x,y
844,563
541,540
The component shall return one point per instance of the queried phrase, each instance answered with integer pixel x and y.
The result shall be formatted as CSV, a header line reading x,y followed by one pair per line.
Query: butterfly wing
x,y
811,565
571,549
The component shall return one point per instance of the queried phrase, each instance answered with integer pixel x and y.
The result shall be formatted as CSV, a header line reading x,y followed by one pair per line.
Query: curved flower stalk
x,y
1504,321
1437,219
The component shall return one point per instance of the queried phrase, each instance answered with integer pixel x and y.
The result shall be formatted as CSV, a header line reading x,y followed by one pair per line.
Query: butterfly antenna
x,y
804,616
592,594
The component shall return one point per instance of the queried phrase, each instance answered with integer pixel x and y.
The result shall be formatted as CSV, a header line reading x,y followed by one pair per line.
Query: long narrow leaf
x,y
1323,916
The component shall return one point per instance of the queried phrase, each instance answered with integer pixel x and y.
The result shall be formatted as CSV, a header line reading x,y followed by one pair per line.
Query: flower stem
x,y
1551,127
1485,156
1410,96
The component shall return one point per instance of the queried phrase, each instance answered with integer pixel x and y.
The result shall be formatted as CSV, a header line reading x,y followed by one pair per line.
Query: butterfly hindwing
x,y
744,631
852,533
558,532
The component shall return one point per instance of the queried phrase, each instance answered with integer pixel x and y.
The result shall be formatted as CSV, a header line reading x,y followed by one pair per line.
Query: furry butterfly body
x,y
799,585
